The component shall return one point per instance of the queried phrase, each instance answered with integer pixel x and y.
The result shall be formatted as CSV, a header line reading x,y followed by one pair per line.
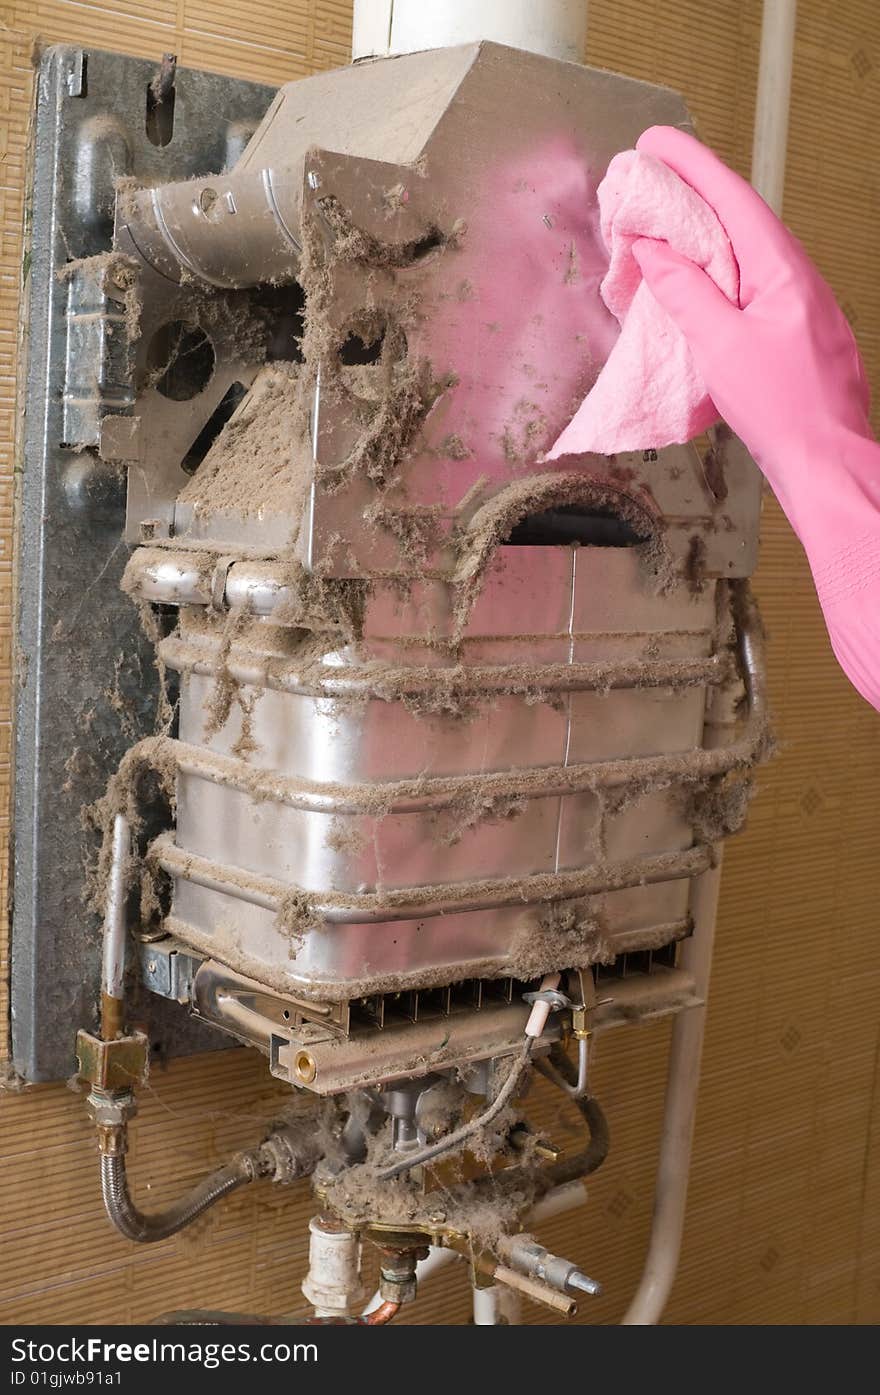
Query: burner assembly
x,y
446,738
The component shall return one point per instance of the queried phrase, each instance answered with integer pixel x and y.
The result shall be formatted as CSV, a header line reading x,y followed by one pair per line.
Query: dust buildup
x,y
472,809
695,564
150,762
415,531
387,401
226,689
295,916
454,448
165,709
345,837
482,1211
329,606
230,318
719,808
353,244
260,462
572,933
523,437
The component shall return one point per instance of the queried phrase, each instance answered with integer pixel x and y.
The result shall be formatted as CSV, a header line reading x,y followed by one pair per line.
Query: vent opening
x,y
180,361
571,524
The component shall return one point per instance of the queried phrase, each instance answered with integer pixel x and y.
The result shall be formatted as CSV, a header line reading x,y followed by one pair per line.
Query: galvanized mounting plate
x,y
87,682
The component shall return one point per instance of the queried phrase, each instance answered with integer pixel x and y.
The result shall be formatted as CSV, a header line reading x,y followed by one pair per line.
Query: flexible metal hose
x,y
135,1225
596,1151
589,1159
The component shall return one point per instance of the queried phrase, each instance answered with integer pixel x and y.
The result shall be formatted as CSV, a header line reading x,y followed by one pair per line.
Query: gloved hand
x,y
785,373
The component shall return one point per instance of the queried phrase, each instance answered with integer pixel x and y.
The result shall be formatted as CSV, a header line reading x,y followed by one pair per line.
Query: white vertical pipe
x,y
679,1114
556,28
371,29
486,1308
670,1196
774,100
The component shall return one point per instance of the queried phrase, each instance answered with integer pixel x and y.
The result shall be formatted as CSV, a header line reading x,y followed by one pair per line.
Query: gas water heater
x,y
427,747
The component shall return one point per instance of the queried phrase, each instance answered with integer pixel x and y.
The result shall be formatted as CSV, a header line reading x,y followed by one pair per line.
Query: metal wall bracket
x,y
87,680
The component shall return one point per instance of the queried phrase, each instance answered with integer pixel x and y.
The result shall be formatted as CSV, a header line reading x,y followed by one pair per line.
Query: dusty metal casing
x,y
443,752
432,844
441,205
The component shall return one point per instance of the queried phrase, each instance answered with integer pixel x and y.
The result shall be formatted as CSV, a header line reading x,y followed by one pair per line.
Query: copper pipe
x,y
381,1315
112,1017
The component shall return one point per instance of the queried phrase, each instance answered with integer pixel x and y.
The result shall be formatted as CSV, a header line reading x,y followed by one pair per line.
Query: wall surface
x,y
784,1215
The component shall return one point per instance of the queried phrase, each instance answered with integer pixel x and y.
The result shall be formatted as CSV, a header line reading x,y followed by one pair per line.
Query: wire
x,y
458,1136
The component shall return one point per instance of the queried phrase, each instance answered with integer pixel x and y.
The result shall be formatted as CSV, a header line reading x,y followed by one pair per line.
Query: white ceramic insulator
x,y
541,1011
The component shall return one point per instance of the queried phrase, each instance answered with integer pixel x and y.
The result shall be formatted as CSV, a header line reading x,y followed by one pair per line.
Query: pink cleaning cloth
x,y
649,392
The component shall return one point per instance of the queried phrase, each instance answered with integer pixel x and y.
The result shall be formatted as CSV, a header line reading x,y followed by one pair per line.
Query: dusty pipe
x,y
176,578
113,958
398,904
556,28
229,230
774,100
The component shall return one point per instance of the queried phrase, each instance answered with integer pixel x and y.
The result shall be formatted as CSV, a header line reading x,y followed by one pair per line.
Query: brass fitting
x,y
110,1111
397,1275
112,1065
581,1030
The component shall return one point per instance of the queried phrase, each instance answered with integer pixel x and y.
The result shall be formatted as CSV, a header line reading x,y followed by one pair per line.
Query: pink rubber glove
x,y
785,372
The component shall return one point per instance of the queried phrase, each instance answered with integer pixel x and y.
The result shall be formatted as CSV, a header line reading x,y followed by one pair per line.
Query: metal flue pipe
x,y
556,28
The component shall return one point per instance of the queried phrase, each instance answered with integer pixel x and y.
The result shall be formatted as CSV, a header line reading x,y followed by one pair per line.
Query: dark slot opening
x,y
84,77
160,116
570,524
427,244
212,427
